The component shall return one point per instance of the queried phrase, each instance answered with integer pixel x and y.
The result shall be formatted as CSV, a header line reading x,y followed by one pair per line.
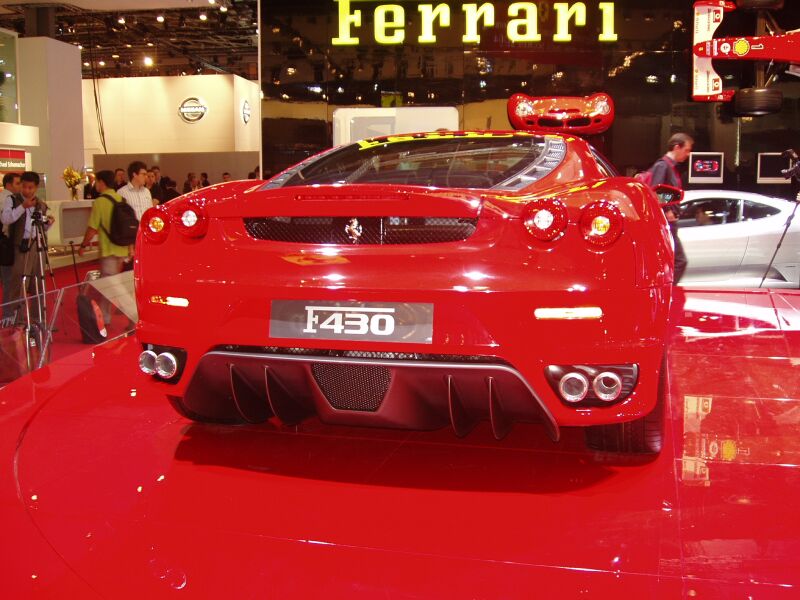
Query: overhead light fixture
x,y
160,18
223,8
150,44
148,61
115,55
86,64
212,1
121,20
102,63
203,16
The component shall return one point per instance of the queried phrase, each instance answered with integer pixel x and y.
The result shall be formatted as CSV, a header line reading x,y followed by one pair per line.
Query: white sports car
x,y
730,236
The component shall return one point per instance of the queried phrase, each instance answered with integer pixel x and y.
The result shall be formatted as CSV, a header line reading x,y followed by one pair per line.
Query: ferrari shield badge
x,y
353,230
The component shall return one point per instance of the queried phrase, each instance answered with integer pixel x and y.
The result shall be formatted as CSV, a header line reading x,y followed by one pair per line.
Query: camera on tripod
x,y
36,216
794,169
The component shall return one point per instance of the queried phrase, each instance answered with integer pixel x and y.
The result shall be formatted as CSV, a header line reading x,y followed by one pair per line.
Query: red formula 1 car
x,y
583,115
774,48
415,281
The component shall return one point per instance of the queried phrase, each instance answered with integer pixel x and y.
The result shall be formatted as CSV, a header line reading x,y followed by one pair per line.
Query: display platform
x,y
107,493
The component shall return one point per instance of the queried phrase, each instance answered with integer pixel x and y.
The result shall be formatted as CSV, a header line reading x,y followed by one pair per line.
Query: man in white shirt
x,y
18,214
135,192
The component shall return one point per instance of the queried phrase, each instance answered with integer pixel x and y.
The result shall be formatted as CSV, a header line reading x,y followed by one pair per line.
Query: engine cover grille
x,y
352,387
374,230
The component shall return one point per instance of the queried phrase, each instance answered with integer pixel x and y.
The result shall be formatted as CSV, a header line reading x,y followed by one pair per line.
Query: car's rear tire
x,y
642,436
760,4
758,101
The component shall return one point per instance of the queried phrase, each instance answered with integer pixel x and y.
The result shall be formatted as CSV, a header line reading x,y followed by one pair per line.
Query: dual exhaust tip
x,y
574,386
165,365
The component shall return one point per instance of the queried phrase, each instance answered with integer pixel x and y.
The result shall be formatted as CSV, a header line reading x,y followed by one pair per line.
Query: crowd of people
x,y
162,188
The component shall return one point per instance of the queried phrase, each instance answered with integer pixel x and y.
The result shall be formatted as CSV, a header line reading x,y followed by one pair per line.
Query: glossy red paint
x,y
780,48
484,291
105,492
583,115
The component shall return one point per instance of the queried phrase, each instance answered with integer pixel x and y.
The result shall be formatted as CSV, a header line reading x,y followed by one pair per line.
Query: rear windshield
x,y
465,160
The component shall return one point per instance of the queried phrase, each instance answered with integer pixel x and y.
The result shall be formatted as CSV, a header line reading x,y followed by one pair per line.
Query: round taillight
x,y
155,224
601,223
546,219
190,218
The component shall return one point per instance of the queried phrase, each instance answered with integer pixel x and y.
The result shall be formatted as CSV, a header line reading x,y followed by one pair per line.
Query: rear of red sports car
x,y
419,282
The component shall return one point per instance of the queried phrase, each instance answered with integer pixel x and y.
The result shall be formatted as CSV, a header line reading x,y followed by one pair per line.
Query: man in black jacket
x,y
665,170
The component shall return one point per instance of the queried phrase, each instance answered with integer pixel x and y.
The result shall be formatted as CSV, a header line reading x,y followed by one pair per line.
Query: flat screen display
x,y
770,165
706,167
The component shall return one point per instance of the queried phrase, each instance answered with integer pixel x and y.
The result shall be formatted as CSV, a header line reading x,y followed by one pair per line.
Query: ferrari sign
x,y
389,21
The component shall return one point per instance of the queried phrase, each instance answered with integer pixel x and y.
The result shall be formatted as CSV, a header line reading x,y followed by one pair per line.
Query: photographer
x,y
21,214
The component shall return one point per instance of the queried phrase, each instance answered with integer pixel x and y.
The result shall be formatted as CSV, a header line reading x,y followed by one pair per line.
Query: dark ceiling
x,y
116,44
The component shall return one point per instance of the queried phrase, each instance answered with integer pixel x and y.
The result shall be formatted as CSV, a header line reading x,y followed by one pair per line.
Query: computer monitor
x,y
706,167
770,165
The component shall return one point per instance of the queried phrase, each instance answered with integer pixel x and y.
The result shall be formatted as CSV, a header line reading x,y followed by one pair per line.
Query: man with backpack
x,y
114,229
665,171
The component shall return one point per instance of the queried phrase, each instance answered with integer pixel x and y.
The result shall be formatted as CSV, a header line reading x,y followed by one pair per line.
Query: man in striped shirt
x,y
135,193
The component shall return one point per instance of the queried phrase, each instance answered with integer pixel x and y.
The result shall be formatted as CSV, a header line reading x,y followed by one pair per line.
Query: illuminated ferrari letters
x,y
389,21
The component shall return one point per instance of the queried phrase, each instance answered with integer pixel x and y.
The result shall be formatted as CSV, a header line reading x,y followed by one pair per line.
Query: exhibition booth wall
x,y
474,56
151,117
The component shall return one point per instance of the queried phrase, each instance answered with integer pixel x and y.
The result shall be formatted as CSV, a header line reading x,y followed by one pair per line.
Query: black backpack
x,y
124,223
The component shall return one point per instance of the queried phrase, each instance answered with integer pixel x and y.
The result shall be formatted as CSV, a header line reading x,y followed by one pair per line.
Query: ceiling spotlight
x,y
150,44
223,8
86,64
102,63
160,18
115,55
148,61
212,1
121,20
203,16
128,46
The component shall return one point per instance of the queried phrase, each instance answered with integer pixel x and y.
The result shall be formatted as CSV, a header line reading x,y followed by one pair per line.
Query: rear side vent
x,y
352,387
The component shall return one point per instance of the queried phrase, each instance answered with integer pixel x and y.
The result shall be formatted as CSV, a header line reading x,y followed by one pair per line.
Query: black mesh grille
x,y
579,122
547,122
352,387
374,230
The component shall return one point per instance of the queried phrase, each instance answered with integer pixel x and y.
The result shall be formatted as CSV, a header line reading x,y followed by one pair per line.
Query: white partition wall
x,y
144,115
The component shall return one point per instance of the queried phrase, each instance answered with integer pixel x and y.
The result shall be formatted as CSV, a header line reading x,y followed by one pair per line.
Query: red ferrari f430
x,y
416,281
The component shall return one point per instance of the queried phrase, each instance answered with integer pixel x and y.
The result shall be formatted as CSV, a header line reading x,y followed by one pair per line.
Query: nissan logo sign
x,y
192,110
245,112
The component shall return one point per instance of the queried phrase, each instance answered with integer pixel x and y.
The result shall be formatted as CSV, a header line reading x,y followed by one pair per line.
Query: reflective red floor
x,y
106,493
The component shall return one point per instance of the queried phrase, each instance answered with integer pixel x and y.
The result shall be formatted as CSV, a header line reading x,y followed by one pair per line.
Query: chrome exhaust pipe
x,y
166,365
607,386
573,386
147,362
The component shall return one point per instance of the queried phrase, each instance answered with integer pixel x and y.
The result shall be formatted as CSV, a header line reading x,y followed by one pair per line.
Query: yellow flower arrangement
x,y
72,179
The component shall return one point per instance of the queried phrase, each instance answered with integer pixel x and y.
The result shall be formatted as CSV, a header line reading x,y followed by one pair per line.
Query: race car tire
x,y
642,436
760,4
757,101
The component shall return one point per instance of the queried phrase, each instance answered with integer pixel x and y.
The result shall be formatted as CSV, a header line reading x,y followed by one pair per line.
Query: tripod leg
x,y
780,243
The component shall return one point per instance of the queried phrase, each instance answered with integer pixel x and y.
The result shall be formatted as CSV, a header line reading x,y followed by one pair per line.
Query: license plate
x,y
358,321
